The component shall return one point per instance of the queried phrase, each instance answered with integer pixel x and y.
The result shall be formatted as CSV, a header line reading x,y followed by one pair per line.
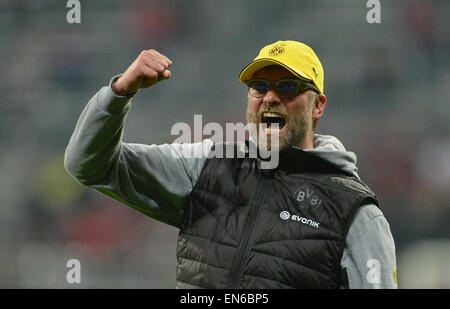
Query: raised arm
x,y
154,179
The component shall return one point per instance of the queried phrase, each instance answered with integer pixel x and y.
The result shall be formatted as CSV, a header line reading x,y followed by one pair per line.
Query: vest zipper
x,y
236,268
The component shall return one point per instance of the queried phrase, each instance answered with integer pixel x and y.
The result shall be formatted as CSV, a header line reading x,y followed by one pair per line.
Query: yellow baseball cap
x,y
297,57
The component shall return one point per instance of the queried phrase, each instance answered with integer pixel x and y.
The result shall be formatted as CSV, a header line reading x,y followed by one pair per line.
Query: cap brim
x,y
258,64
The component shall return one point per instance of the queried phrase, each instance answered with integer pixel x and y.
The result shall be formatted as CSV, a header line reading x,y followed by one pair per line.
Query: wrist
x,y
117,89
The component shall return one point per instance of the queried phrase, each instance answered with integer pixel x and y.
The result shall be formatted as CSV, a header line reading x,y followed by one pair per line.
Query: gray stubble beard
x,y
299,127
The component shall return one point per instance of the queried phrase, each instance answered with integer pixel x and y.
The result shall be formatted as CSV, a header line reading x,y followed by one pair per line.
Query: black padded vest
x,y
247,227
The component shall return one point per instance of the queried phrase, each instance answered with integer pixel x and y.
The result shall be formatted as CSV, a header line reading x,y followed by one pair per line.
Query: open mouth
x,y
274,122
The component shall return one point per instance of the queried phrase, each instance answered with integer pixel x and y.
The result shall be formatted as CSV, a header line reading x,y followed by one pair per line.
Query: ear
x,y
319,106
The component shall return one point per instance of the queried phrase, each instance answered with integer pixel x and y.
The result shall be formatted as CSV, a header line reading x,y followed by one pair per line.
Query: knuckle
x,y
161,68
140,59
152,74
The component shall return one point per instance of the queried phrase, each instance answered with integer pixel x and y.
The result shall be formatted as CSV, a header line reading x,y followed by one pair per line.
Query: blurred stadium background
x,y
388,101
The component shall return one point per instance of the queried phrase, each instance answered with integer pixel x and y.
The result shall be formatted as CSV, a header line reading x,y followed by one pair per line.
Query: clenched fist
x,y
149,68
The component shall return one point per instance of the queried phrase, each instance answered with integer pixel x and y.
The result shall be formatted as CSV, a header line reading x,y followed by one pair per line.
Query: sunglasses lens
x,y
258,88
288,89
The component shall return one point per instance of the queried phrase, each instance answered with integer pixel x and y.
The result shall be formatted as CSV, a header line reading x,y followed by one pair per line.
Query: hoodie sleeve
x,y
153,179
369,256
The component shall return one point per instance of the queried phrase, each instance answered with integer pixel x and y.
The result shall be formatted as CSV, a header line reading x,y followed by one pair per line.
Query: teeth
x,y
270,114
270,130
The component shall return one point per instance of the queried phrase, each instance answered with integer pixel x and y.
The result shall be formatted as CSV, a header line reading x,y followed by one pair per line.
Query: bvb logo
x,y
307,198
277,50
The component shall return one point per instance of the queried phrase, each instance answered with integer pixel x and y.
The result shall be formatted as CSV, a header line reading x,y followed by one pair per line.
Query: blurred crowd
x,y
388,95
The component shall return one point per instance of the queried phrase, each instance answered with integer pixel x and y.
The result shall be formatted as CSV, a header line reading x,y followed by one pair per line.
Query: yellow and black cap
x,y
296,57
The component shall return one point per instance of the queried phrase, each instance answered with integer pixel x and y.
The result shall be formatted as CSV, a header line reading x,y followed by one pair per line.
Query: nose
x,y
271,96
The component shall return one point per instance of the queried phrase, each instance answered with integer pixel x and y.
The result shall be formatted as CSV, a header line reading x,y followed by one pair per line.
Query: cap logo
x,y
277,50
317,74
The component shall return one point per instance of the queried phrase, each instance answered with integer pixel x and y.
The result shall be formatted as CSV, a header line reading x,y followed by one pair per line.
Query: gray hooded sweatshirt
x,y
157,179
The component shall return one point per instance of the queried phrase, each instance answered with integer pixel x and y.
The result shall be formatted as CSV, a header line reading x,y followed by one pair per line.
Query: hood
x,y
330,149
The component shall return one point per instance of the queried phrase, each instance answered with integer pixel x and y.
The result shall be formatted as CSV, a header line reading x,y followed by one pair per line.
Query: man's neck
x,y
307,142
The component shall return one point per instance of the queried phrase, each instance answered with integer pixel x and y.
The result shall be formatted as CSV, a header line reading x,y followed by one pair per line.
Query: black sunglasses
x,y
286,88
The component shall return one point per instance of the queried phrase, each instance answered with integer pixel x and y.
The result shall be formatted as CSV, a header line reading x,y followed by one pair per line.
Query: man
x,y
308,222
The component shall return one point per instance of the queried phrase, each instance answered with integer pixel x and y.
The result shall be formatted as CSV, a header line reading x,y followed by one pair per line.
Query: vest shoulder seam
x,y
337,185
